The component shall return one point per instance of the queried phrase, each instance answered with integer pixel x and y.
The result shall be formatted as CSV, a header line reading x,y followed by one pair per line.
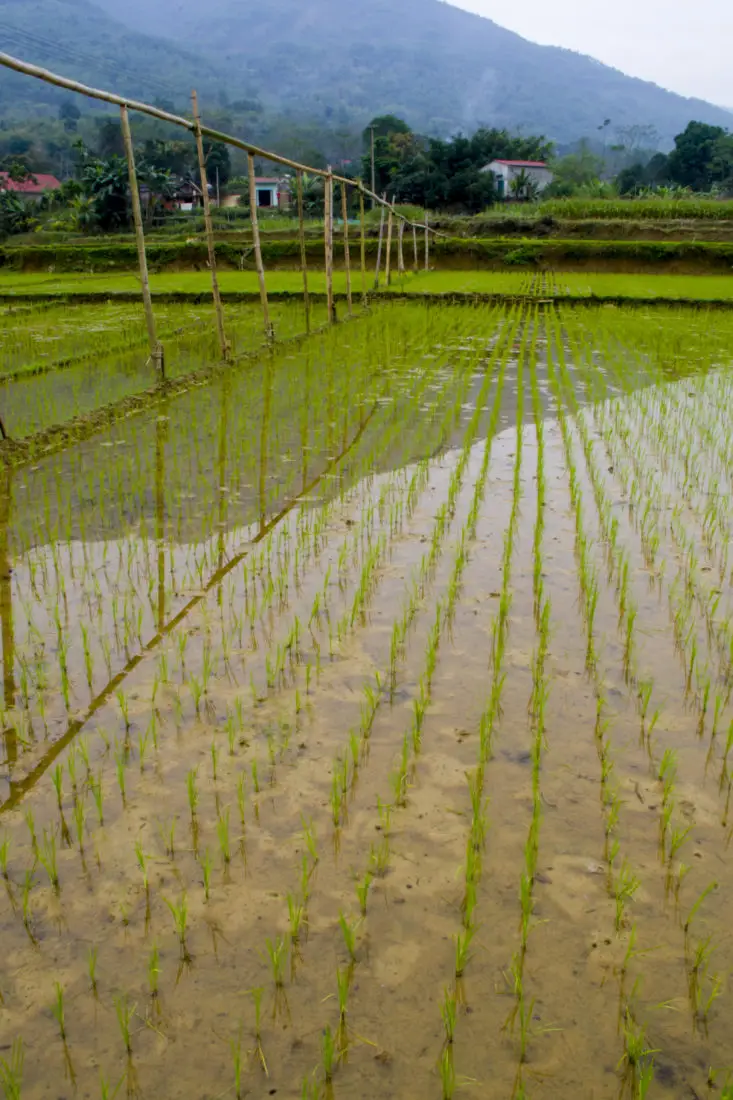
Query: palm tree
x,y
523,187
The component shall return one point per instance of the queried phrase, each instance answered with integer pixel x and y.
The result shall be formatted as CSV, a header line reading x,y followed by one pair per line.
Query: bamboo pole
x,y
218,310
400,252
379,249
328,244
156,349
257,246
414,247
362,221
303,257
347,256
427,242
388,257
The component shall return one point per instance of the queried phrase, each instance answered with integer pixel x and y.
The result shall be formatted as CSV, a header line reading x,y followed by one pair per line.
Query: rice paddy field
x,y
519,282
367,721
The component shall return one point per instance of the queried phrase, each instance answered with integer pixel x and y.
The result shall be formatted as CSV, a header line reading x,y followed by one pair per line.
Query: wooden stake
x,y
328,243
388,257
218,310
347,257
400,252
362,220
303,258
427,243
379,249
414,246
258,246
156,349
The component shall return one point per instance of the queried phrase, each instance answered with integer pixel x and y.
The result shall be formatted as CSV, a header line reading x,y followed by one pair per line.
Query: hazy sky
x,y
684,45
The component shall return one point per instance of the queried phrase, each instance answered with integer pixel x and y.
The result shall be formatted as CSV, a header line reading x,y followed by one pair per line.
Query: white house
x,y
270,191
506,171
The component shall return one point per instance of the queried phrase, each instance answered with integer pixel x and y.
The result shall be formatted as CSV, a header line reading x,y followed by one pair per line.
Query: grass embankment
x,y
447,253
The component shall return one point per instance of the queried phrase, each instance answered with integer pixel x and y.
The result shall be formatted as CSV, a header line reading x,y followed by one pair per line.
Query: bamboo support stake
x,y
328,243
218,310
347,256
414,247
388,257
427,242
362,220
156,349
400,251
303,258
257,246
379,250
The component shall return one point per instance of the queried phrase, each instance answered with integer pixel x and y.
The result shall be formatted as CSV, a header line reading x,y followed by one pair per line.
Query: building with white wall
x,y
508,171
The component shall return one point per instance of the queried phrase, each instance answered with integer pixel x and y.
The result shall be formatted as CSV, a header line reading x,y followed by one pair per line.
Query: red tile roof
x,y
521,163
38,182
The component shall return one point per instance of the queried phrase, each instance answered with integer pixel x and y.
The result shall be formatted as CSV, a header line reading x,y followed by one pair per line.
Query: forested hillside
x,y
339,62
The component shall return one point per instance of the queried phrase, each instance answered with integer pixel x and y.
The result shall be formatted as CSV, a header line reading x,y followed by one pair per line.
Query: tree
x,y
691,162
630,180
177,157
217,157
15,216
109,139
575,170
523,187
69,114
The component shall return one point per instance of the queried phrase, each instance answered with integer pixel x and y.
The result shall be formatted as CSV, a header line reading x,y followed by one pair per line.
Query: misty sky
x,y
684,45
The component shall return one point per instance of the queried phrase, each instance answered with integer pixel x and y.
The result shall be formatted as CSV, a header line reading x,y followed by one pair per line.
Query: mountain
x,y
78,39
344,61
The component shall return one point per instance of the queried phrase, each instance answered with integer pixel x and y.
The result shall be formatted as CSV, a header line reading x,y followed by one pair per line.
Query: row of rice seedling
x,y
675,829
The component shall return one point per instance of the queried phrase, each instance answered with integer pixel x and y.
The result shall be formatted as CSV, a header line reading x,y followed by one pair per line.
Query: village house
x,y
34,188
271,192
507,172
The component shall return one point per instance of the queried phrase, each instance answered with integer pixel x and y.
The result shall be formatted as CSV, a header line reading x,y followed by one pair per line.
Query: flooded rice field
x,y
366,724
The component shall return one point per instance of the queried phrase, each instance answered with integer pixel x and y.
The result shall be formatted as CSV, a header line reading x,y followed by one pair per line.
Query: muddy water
x,y
185,549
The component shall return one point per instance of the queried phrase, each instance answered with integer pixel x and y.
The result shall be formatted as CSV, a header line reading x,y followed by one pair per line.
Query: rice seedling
x,y
222,832
462,941
48,860
4,856
329,1053
57,1008
11,1071
449,1013
698,904
447,1073
277,953
179,912
257,995
192,791
348,931
125,1012
235,1047
92,956
207,866
154,970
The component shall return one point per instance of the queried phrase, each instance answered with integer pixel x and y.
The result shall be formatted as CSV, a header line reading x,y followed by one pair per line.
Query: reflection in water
x,y
6,616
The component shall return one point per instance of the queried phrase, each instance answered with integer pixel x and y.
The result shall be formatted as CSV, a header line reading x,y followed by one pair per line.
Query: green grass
x,y
576,284
542,284
192,282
